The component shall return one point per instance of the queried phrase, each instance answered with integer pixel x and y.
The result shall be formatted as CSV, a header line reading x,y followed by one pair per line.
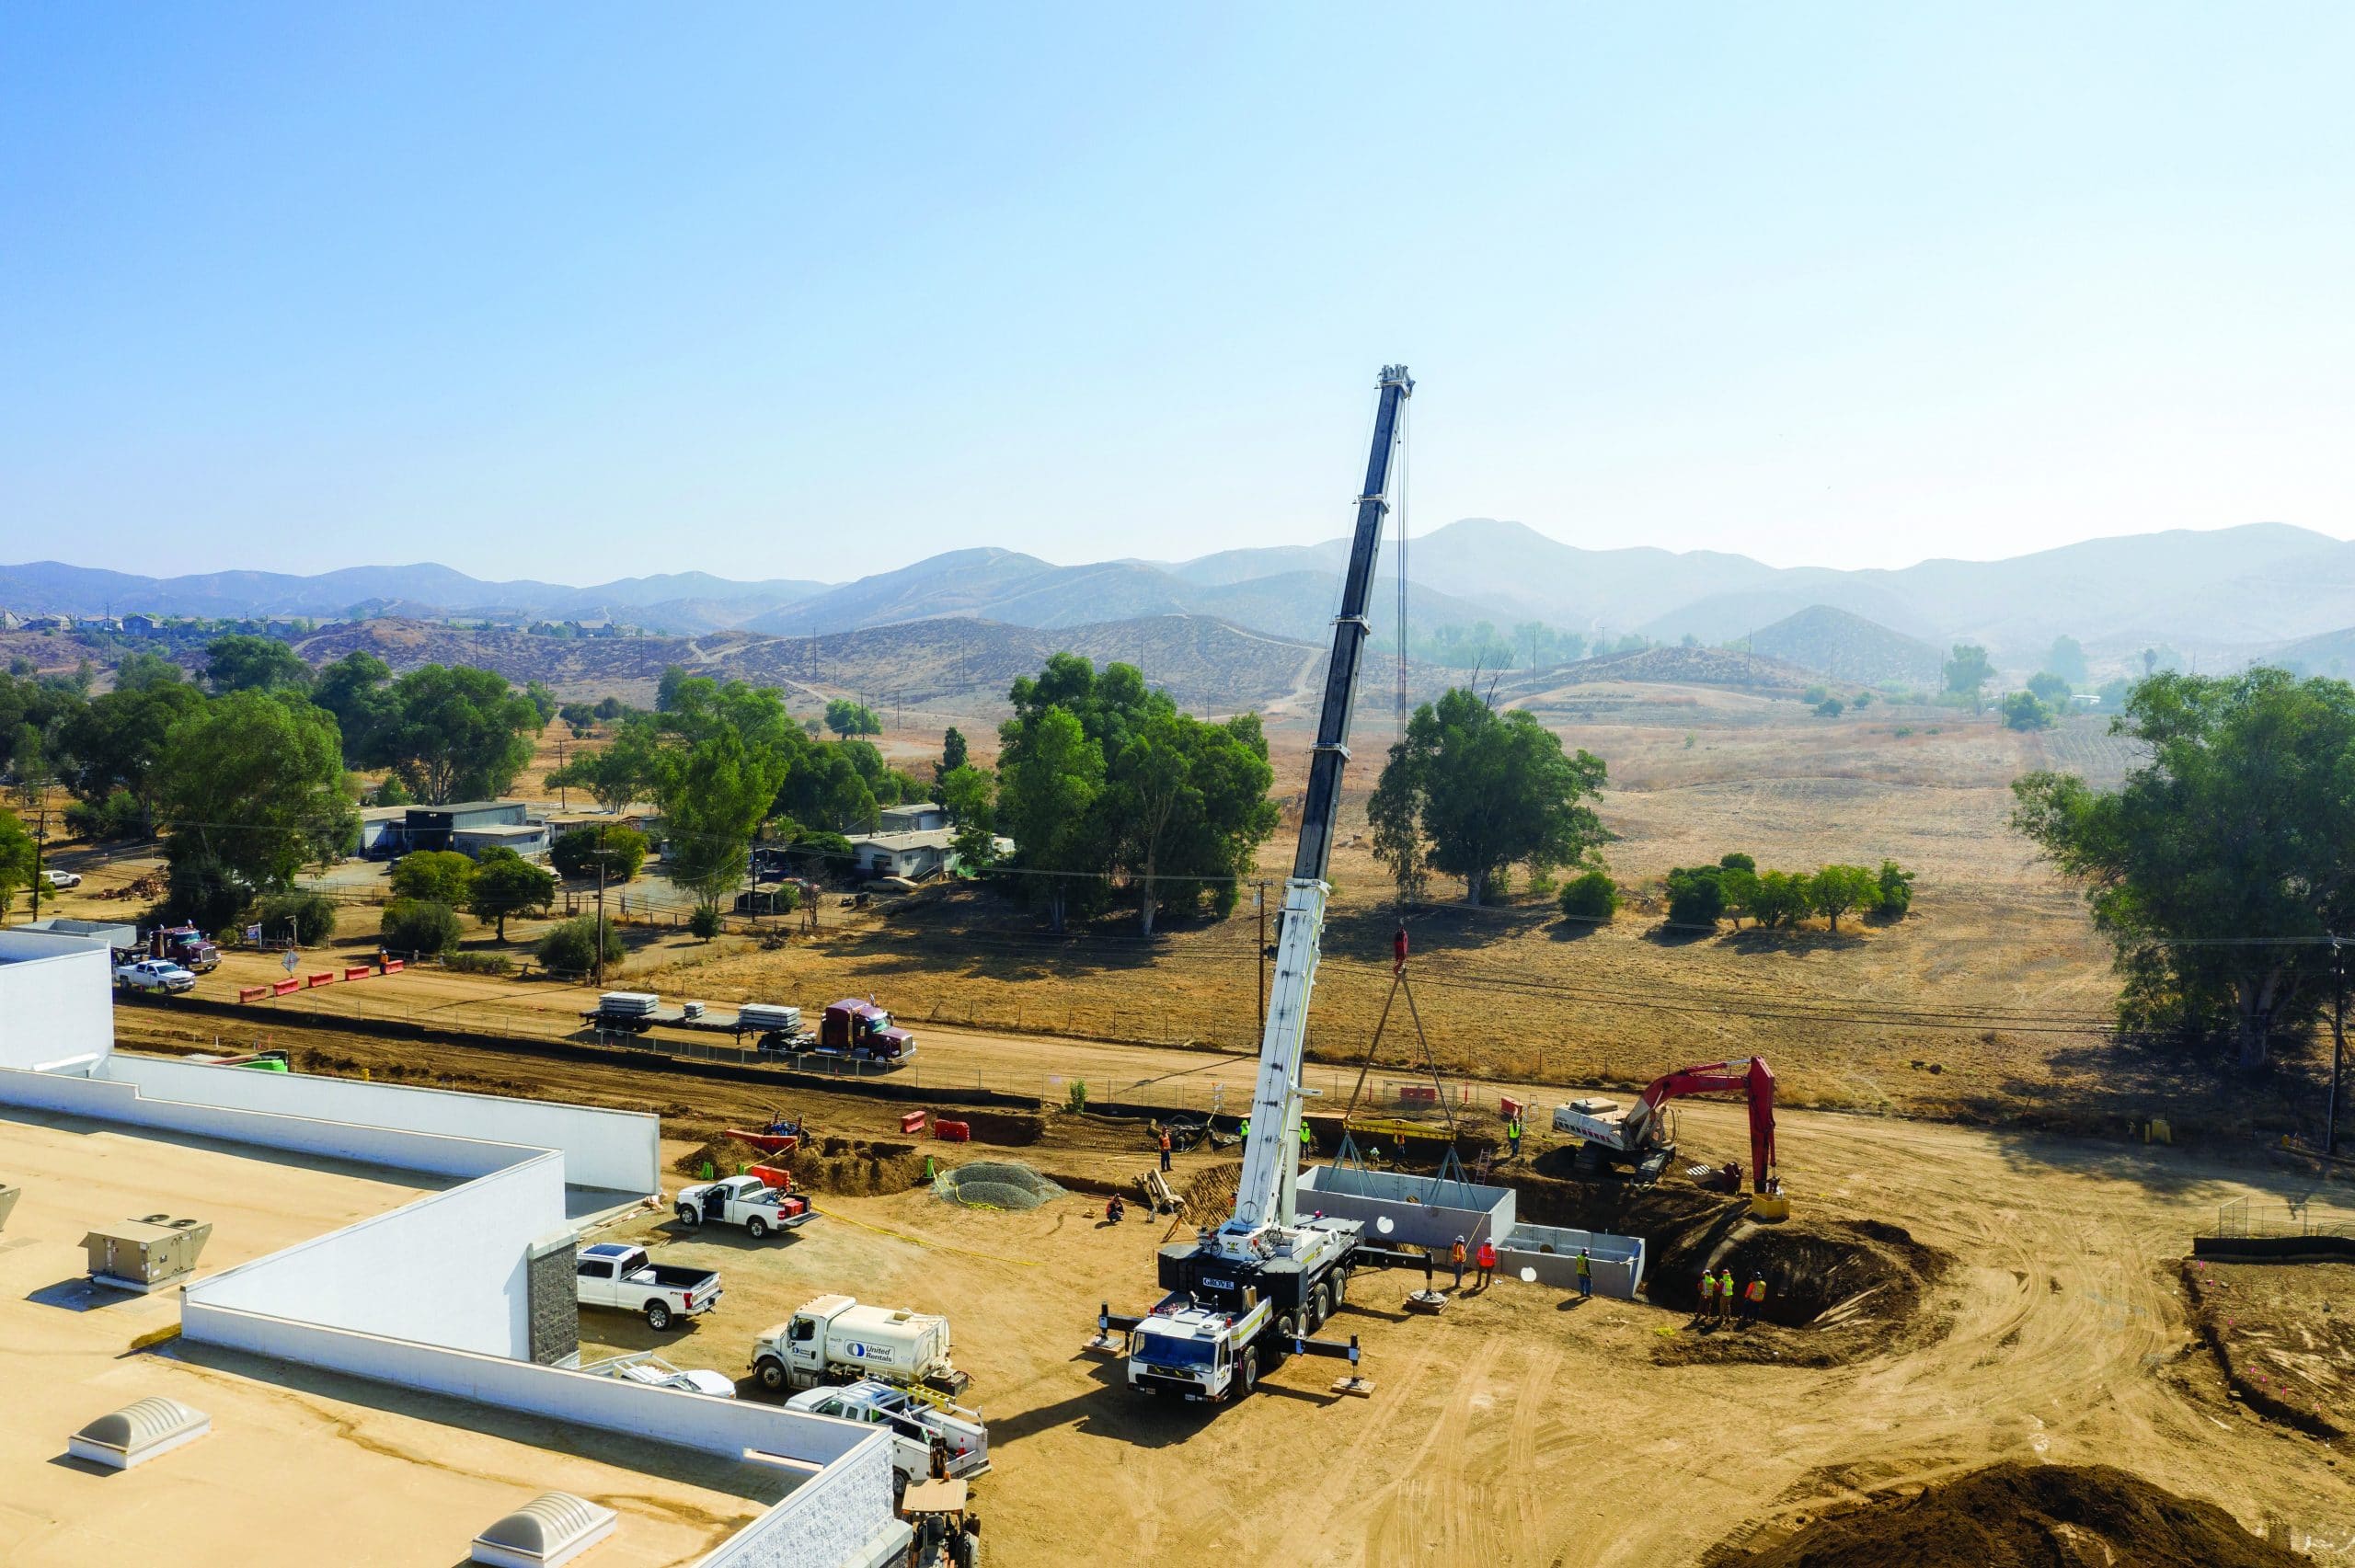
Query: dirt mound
x,y
995,1183
854,1166
2280,1335
2020,1515
716,1157
1212,1192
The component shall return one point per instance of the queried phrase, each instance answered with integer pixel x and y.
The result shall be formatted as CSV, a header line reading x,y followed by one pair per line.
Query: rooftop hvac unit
x,y
554,1526
146,1255
7,1202
137,1432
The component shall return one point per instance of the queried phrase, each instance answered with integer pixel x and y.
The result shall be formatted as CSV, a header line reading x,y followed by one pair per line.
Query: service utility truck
x,y
616,1275
836,1340
919,1422
863,1031
1242,1298
749,1201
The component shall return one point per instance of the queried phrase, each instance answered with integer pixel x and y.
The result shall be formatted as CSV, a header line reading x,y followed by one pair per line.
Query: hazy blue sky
x,y
577,291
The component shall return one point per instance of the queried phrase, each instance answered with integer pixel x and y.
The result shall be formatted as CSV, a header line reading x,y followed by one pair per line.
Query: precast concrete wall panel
x,y
618,1150
832,1521
56,1001
1422,1211
1616,1263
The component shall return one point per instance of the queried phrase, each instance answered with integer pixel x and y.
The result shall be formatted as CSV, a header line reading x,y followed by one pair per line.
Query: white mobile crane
x,y
1243,1296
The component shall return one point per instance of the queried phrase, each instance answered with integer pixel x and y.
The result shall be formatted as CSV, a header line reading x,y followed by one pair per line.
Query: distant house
x,y
141,626
11,621
50,623
919,816
469,827
915,855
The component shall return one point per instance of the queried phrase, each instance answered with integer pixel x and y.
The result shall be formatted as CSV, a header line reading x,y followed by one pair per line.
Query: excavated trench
x,y
1837,1291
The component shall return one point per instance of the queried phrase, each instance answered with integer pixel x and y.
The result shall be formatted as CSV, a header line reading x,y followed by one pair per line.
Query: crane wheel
x,y
1250,1370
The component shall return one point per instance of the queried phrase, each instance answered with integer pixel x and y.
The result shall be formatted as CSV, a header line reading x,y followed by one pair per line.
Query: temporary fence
x,y
2242,1220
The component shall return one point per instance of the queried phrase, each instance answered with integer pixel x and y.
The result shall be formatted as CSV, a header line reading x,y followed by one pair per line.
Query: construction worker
x,y
1246,1128
1486,1258
1115,1210
1725,1295
1455,1256
1753,1298
1708,1297
1307,1142
1586,1276
1398,950
1512,1134
1165,1151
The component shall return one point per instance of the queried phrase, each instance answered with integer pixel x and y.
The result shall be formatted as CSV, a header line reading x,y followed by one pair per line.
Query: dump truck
x,y
616,1275
836,1340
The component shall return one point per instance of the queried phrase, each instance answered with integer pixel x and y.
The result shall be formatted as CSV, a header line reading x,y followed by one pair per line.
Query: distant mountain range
x,y
2223,596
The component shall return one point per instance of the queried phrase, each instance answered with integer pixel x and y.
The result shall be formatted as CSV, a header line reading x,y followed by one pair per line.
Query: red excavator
x,y
1642,1135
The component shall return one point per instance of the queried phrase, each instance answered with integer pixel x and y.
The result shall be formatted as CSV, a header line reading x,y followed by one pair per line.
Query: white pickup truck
x,y
916,1423
616,1275
650,1369
742,1201
154,974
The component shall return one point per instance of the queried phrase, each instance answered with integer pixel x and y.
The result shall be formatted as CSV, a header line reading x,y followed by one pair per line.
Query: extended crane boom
x,y
1243,1298
1272,1157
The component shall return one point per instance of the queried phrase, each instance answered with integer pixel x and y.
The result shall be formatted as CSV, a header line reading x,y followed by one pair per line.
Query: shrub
x,y
2022,711
1895,889
1075,1096
1834,890
479,964
1814,694
571,948
205,893
1738,862
1695,898
420,925
433,876
116,817
705,922
392,792
1861,700
1779,898
312,915
1830,707
1594,896
574,854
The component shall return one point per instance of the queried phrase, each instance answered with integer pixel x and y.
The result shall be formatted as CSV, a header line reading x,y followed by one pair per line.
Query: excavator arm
x,y
1752,1080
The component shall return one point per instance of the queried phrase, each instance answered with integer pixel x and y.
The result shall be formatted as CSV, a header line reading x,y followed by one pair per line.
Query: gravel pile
x,y
995,1183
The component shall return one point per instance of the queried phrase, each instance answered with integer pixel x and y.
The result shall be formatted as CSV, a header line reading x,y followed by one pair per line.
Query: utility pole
x,y
41,839
1260,902
2338,1042
564,791
600,906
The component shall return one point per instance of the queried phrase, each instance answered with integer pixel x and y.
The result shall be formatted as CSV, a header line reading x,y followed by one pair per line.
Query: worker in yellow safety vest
x,y
1512,1135
1708,1308
1724,1296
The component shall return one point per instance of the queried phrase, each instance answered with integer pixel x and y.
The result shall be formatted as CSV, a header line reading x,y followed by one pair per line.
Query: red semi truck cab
x,y
857,1028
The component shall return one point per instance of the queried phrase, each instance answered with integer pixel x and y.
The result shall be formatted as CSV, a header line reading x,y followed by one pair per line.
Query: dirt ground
x,y
2284,1337
1519,1428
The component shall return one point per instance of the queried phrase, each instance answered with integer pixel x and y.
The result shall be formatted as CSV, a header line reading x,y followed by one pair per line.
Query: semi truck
x,y
836,1340
1242,1298
862,1030
749,1201
616,1275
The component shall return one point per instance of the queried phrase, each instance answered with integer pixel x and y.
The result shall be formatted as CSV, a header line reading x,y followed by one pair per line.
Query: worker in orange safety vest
x,y
1486,1257
1753,1298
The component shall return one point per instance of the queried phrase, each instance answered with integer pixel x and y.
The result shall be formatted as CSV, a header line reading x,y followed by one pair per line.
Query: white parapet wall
x,y
56,1001
449,1269
616,1150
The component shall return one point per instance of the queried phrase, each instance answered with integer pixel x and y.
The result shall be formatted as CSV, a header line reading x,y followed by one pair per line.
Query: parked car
x,y
616,1275
60,879
154,974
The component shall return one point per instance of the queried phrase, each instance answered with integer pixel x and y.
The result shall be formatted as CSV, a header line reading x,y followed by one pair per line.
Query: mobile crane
x,y
1241,1298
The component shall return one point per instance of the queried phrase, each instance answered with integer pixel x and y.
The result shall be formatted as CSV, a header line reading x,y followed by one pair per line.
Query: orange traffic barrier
x,y
357,972
913,1121
252,994
392,966
953,1132
324,978
282,987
